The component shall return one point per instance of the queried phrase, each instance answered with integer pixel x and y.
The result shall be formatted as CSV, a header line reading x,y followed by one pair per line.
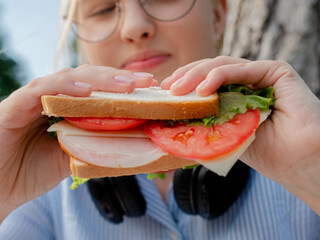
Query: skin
x,y
286,148
186,40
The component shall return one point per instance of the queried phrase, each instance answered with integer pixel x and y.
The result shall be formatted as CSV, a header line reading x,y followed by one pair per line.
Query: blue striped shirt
x,y
264,210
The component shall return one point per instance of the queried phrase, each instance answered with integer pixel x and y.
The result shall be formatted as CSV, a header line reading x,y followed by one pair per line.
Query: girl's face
x,y
143,44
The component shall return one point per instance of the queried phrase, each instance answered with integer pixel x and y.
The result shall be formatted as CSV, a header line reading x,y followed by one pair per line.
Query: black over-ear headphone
x,y
200,191
115,197
197,191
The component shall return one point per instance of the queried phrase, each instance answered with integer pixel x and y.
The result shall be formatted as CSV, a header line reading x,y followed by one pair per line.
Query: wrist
x,y
4,212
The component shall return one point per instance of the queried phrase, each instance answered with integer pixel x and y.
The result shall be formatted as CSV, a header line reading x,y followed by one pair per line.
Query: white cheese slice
x,y
223,164
68,129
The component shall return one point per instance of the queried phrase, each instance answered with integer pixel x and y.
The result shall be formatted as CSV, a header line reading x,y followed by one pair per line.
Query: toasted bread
x,y
144,103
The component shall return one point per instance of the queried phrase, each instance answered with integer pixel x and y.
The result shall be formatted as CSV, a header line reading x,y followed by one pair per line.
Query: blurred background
x,y
286,30
28,39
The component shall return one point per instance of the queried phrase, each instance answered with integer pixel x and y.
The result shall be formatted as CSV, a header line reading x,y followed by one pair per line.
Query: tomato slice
x,y
200,142
105,123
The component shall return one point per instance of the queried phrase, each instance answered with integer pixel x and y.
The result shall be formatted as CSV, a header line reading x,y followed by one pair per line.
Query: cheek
x,y
195,37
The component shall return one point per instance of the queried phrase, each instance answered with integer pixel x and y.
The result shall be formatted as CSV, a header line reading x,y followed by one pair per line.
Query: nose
x,y
135,25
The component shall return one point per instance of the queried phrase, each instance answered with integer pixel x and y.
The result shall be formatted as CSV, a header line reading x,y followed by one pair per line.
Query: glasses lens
x,y
167,10
96,20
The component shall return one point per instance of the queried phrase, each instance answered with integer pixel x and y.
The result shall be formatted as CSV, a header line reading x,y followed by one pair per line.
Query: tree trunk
x,y
286,30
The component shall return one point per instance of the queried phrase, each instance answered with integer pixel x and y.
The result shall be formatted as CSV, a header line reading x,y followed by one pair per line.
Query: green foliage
x,y
10,72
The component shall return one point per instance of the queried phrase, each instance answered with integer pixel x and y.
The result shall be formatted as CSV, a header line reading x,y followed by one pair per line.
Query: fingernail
x,y
202,84
82,85
142,74
123,79
177,83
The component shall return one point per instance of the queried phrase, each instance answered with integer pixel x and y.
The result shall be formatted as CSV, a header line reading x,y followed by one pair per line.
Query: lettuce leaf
x,y
77,181
190,167
156,175
234,99
53,120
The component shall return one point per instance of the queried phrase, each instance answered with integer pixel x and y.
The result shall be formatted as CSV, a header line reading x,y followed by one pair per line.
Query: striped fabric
x,y
264,211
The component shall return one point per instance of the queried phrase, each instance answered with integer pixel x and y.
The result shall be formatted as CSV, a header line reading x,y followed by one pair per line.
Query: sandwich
x,y
151,131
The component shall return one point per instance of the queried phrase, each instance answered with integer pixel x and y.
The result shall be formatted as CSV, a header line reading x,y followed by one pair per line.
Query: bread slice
x,y
144,103
164,163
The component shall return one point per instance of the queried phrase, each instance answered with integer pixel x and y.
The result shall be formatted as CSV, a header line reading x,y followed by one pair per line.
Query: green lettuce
x,y
190,167
77,181
234,99
156,175
53,120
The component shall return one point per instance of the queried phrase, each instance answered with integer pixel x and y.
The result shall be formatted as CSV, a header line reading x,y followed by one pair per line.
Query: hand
x,y
31,161
287,145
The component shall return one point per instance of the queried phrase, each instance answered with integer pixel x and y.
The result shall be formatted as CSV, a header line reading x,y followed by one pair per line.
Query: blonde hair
x,y
66,16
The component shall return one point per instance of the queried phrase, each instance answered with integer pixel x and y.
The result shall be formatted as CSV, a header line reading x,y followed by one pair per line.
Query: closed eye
x,y
104,11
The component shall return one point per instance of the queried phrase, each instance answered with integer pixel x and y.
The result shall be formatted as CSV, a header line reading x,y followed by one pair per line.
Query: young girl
x,y
128,44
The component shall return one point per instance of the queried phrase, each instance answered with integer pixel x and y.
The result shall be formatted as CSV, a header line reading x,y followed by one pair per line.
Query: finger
x,y
100,78
110,79
146,82
74,82
154,83
26,101
179,73
259,74
196,75
103,78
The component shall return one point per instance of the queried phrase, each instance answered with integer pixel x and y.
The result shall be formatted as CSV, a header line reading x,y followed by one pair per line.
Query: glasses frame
x,y
169,20
119,18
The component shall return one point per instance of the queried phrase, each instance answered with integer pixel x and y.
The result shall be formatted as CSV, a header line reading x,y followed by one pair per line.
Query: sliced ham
x,y
131,148
111,152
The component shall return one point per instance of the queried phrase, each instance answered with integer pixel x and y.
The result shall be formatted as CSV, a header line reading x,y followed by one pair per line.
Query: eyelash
x,y
103,11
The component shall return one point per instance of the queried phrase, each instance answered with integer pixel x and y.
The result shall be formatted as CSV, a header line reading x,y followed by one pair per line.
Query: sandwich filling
x,y
215,142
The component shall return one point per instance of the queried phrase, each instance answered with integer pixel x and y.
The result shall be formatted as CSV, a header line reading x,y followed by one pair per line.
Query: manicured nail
x,y
202,84
142,74
123,79
82,85
177,83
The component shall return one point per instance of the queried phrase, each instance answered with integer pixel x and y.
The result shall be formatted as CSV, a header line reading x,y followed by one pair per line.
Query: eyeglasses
x,y
97,20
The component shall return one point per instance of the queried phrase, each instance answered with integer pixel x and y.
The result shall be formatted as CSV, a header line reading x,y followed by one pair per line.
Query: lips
x,y
146,60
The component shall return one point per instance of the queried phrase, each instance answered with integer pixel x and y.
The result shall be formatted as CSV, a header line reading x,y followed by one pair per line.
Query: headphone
x,y
197,191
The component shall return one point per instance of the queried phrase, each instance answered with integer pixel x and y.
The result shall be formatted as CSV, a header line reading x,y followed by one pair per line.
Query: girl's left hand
x,y
287,145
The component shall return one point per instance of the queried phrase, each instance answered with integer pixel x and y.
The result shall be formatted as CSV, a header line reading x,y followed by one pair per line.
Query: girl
x,y
128,44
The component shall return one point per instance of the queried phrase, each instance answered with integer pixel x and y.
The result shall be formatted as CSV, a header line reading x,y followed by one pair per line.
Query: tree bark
x,y
286,30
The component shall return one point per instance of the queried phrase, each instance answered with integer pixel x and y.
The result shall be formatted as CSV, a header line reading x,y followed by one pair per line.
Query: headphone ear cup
x,y
216,193
105,199
129,196
183,190
117,196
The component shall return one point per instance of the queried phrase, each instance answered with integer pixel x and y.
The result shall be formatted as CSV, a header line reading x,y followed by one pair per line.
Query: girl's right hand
x,y
31,161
